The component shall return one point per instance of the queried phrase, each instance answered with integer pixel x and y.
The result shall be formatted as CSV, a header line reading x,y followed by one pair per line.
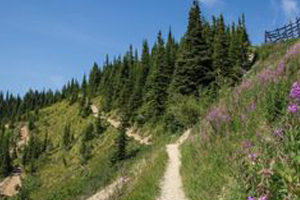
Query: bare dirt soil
x,y
171,186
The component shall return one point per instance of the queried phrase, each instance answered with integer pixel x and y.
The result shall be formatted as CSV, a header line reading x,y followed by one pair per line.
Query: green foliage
x,y
99,127
29,184
32,152
221,63
94,80
193,66
31,125
209,162
163,91
120,153
185,110
157,85
88,133
85,107
67,137
85,151
146,185
254,150
136,98
5,159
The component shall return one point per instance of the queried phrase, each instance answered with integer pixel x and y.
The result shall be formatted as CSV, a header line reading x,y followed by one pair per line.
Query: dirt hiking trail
x,y
110,190
171,186
9,186
116,124
95,111
24,137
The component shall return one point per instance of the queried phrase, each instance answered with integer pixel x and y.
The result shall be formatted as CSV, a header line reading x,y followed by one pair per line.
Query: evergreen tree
x,y
84,151
88,133
5,159
32,152
157,94
125,83
193,66
94,80
84,86
31,124
67,137
171,54
99,127
108,85
233,54
221,63
121,146
209,35
142,74
46,142
244,43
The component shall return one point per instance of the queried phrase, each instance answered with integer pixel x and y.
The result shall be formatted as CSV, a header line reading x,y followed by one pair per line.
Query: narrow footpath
x,y
116,124
171,186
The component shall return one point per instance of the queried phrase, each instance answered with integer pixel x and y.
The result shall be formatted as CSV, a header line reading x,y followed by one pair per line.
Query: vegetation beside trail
x,y
169,87
246,145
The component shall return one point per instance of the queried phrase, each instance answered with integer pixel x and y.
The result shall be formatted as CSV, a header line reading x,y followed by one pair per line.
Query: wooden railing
x,y
289,31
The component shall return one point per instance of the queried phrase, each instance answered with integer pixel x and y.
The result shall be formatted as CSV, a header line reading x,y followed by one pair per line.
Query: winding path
x,y
9,186
130,132
110,190
171,186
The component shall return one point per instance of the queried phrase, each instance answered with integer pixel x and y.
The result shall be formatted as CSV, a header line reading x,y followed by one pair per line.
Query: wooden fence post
x,y
289,31
298,26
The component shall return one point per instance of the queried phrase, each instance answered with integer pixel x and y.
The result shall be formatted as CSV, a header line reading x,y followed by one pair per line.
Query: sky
x,y
44,43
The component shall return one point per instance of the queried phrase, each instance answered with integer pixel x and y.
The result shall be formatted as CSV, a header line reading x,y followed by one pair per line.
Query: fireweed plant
x,y
263,114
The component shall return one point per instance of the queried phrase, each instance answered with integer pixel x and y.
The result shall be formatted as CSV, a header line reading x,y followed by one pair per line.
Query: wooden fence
x,y
289,31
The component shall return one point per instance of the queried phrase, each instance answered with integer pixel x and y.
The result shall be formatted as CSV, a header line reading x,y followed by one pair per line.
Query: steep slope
x,y
246,145
60,172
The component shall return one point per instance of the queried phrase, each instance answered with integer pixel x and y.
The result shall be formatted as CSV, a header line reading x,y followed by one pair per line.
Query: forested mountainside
x,y
110,130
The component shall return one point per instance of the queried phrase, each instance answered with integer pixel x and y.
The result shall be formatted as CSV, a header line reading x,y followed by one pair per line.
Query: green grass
x,y
206,170
60,174
146,178
214,163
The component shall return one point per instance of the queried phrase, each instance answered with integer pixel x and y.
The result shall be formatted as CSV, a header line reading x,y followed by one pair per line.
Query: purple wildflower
x,y
251,198
253,106
293,108
278,133
253,157
246,145
295,50
245,85
263,198
267,75
280,67
217,116
295,91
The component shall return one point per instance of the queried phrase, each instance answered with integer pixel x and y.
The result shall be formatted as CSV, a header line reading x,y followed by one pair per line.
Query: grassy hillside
x,y
247,144
60,174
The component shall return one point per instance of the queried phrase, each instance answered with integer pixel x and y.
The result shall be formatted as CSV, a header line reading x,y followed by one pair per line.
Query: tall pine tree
x,y
193,66
156,97
142,74
221,63
94,80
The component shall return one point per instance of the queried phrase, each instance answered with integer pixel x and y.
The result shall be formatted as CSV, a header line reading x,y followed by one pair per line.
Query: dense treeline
x,y
209,55
13,107
141,87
